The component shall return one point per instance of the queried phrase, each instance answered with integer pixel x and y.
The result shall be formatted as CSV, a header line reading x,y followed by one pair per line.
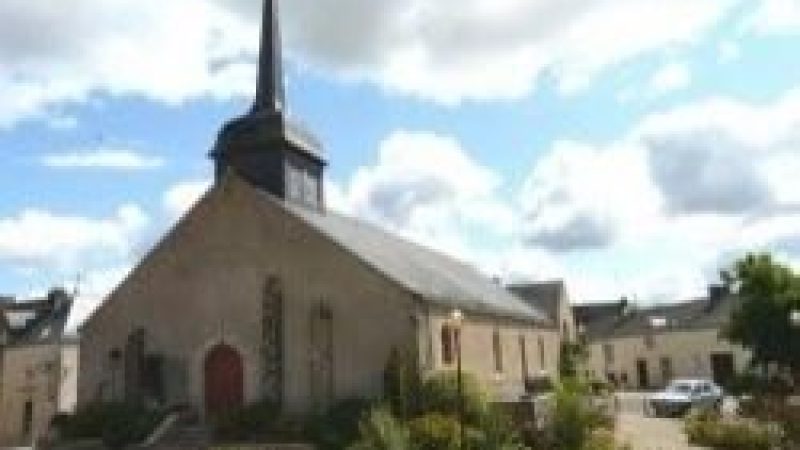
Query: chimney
x,y
716,293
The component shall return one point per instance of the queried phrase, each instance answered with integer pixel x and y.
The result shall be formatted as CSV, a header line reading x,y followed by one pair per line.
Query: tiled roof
x,y
433,276
615,320
545,296
37,320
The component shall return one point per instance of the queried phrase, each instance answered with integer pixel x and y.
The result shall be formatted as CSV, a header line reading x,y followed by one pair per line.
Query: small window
x,y
649,341
608,354
542,356
523,356
498,351
310,188
27,418
449,337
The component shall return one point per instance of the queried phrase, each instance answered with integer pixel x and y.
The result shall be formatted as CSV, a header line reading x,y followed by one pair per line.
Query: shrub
x,y
339,426
118,424
380,431
711,432
435,431
402,383
439,394
251,422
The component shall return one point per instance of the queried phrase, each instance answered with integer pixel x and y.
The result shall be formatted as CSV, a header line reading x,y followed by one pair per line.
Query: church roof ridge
x,y
436,277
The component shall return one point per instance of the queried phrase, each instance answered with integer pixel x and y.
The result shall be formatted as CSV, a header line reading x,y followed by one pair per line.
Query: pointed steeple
x,y
265,146
270,96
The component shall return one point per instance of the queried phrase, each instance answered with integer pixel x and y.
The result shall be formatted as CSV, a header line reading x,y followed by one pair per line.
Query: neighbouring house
x,y
262,293
645,347
551,298
38,366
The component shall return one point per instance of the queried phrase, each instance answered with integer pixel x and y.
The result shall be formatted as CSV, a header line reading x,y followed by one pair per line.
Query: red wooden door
x,y
224,380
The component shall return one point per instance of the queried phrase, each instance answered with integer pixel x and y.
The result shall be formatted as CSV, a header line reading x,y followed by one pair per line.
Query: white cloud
x,y
55,53
452,50
180,197
650,215
41,239
775,17
102,158
428,187
671,77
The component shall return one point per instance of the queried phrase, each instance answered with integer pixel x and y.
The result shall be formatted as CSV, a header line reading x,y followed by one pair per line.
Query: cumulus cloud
x,y
671,77
42,239
179,198
102,158
426,186
55,53
775,17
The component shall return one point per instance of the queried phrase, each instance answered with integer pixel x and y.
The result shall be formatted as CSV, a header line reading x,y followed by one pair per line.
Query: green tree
x,y
769,292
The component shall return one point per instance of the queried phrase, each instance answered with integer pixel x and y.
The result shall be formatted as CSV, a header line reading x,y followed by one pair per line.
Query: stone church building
x,y
259,292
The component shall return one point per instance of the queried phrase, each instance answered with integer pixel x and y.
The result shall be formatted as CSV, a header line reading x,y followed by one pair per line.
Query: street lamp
x,y
794,318
456,319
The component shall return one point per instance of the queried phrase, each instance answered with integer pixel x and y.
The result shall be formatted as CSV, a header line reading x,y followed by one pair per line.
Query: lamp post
x,y
794,318
456,319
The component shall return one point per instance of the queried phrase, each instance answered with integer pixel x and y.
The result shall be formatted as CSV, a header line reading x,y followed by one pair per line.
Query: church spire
x,y
270,96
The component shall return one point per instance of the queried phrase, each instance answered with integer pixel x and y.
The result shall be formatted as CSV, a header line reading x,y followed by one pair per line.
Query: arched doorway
x,y
224,380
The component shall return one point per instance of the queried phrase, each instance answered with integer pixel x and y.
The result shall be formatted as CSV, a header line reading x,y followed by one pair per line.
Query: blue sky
x,y
630,147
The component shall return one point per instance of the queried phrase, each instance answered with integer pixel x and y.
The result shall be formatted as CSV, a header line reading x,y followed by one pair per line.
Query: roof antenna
x,y
76,290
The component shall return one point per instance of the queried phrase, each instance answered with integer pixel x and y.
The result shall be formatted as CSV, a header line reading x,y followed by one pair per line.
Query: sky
x,y
631,147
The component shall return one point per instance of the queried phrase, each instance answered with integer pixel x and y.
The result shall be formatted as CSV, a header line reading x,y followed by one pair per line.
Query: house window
x,y
451,338
310,188
649,341
523,356
541,353
666,369
27,418
497,345
608,354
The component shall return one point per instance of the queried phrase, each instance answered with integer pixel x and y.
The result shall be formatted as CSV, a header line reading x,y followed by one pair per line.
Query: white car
x,y
681,396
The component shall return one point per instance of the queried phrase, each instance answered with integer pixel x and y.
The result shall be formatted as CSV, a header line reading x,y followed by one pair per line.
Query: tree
x,y
769,293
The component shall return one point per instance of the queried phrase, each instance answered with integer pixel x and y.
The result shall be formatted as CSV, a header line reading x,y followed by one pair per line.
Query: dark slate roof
x,y
614,320
37,321
545,296
436,278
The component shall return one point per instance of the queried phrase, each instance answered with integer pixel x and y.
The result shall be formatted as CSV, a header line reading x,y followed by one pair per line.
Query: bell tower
x,y
265,147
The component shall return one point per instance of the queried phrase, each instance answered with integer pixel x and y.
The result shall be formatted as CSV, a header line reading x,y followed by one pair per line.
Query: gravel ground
x,y
646,433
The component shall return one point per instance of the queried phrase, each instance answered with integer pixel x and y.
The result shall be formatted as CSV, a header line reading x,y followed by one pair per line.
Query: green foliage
x,y
439,394
402,383
340,425
117,424
575,424
770,292
435,431
571,356
379,430
708,431
248,423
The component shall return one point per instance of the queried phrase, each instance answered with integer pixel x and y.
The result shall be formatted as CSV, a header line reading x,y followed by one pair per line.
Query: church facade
x,y
261,293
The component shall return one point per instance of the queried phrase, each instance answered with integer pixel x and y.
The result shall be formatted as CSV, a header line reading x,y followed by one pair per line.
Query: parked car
x,y
683,395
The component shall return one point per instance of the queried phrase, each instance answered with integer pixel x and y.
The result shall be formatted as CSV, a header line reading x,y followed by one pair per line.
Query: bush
x,y
339,426
707,431
117,424
402,383
435,431
440,395
251,422
380,431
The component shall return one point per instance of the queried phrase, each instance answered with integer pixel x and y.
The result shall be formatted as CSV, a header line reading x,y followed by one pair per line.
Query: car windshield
x,y
680,388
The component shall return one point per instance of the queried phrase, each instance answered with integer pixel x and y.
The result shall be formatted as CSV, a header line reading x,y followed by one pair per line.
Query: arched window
x,y
272,338
497,346
542,356
135,365
448,350
322,356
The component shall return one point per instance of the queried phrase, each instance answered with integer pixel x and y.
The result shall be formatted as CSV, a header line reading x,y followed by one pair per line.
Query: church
x,y
260,292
